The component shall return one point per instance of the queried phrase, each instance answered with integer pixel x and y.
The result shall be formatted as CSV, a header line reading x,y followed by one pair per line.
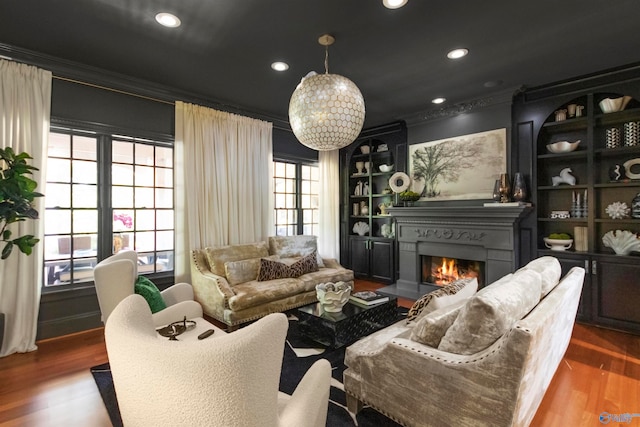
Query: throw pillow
x,y
490,313
550,270
453,292
217,256
244,270
431,328
294,246
271,270
149,292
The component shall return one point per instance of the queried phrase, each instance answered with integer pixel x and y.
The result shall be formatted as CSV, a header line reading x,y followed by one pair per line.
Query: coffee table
x,y
353,322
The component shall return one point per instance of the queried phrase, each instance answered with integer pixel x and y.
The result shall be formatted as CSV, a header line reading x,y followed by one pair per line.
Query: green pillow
x,y
150,292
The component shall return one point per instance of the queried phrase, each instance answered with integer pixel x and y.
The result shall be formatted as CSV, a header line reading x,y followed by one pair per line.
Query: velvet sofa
x,y
483,361
226,281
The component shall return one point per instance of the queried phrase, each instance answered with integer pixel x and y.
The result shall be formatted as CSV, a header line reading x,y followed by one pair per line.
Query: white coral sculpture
x,y
623,242
617,210
361,228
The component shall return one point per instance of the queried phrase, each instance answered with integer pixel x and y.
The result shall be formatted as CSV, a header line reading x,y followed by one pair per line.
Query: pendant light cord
x,y
326,59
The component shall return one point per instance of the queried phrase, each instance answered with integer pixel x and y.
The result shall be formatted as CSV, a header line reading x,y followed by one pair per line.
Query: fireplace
x,y
486,238
441,271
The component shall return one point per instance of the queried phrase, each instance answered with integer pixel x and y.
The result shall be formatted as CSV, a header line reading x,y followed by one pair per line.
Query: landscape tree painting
x,y
460,168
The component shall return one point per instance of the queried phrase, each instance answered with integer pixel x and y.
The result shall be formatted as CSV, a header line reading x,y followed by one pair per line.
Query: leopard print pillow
x,y
420,304
271,270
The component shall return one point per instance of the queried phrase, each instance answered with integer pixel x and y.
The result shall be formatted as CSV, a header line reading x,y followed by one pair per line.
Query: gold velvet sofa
x,y
488,363
224,279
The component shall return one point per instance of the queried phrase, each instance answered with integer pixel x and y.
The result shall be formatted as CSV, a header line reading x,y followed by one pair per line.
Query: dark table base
x,y
353,322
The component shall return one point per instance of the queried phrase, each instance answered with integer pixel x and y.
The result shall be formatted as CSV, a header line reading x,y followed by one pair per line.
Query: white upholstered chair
x,y
228,380
115,277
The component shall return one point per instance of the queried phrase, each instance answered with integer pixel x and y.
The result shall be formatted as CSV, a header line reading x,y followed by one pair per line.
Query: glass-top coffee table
x,y
353,322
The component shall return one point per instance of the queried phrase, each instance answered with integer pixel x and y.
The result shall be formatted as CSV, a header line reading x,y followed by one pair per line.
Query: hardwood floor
x,y
52,387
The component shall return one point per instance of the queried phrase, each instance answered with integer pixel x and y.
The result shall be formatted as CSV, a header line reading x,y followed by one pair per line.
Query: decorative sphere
x,y
326,112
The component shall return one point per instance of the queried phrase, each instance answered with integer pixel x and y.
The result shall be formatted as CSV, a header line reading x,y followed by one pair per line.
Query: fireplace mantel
x,y
487,234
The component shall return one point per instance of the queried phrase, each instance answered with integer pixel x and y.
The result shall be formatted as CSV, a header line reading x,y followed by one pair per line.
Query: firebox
x,y
441,271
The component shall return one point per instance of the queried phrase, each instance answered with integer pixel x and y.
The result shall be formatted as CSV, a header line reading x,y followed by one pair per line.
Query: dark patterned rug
x,y
299,354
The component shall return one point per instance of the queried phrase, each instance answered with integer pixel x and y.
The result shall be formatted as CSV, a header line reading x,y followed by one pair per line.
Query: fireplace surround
x,y
488,235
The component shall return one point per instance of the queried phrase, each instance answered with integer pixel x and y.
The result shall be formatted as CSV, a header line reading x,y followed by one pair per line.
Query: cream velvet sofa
x,y
224,278
501,385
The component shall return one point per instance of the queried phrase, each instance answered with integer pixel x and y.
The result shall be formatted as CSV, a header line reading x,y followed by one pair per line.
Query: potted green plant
x,y
409,197
17,192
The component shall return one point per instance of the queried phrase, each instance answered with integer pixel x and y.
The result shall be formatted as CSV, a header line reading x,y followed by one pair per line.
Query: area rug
x,y
299,354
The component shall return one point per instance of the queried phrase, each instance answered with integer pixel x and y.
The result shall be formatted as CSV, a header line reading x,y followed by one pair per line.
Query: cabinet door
x,y
359,254
617,294
382,260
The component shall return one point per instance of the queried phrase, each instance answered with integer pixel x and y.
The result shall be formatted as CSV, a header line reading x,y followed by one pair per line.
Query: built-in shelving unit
x,y
611,293
365,197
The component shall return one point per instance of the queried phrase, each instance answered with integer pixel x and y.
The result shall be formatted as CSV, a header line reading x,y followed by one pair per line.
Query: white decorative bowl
x,y
563,146
333,296
611,105
558,244
623,242
385,168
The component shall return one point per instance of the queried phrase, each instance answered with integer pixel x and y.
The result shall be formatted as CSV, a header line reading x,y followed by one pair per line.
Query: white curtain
x,y
224,176
329,212
25,106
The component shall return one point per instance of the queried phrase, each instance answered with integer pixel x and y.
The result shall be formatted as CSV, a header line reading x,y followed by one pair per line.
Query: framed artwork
x,y
459,168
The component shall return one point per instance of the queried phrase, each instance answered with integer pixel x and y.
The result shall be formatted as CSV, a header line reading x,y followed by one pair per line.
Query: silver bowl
x,y
563,146
611,105
385,168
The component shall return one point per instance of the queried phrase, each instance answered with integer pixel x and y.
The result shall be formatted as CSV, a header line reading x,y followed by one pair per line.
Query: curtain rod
x,y
113,90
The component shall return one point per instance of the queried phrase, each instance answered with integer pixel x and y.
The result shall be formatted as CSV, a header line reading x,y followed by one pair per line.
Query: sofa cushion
x,y
431,327
271,270
294,246
491,312
243,270
217,256
550,272
453,292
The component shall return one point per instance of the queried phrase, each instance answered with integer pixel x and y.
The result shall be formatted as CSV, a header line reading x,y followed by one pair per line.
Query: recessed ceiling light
x,y
394,4
280,66
438,100
457,53
168,20
493,83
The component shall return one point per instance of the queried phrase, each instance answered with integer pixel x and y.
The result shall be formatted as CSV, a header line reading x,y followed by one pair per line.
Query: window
x,y
296,198
106,193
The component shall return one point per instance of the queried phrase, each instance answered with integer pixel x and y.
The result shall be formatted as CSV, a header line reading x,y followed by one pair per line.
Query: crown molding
x,y
498,98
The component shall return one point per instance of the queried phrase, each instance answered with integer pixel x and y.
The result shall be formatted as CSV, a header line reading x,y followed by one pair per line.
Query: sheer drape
x,y
25,106
329,209
224,180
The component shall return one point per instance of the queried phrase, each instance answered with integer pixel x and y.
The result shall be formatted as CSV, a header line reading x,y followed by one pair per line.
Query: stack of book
x,y
580,239
368,298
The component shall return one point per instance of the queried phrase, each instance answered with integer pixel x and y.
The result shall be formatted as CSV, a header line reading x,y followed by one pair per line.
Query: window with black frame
x,y
106,193
295,198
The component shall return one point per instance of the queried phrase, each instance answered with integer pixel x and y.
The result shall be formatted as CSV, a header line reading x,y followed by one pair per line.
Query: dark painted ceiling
x,y
224,48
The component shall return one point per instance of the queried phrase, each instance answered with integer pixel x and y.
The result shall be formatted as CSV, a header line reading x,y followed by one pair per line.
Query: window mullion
x,y
105,210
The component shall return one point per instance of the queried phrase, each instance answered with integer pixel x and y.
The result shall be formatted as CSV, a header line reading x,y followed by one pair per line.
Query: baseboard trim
x,y
68,325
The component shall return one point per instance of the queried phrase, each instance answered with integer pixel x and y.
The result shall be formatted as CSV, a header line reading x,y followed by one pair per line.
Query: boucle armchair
x,y
115,277
226,380
503,384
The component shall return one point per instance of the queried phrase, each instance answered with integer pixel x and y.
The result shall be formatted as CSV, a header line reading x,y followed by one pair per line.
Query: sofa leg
x,y
354,405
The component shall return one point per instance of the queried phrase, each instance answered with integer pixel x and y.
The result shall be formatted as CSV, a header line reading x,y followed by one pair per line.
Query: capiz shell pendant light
x,y
326,111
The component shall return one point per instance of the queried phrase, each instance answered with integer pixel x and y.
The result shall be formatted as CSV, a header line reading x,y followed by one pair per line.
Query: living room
x,y
506,106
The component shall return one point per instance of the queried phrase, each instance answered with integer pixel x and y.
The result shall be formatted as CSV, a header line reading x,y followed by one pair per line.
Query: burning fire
x,y
448,271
